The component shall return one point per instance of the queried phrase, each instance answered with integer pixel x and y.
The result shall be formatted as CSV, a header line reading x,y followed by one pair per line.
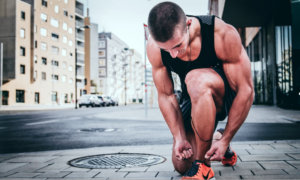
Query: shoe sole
x,y
233,155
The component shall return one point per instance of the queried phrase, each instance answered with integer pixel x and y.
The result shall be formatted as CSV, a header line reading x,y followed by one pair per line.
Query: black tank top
x,y
206,59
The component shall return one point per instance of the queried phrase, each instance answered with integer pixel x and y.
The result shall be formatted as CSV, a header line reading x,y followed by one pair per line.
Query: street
x,y
84,128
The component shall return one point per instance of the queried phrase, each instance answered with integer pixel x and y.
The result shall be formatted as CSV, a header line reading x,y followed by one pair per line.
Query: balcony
x,y
80,48
79,11
79,24
80,61
80,36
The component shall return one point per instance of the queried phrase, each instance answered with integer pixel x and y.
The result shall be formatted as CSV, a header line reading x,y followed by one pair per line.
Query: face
x,y
177,45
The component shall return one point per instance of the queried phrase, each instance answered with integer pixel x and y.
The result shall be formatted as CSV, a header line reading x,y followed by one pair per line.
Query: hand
x,y
183,149
216,151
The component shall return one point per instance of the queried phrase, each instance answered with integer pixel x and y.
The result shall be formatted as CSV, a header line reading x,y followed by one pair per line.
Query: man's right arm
x,y
167,101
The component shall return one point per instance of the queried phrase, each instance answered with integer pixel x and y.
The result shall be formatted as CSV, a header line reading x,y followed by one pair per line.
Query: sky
x,y
125,18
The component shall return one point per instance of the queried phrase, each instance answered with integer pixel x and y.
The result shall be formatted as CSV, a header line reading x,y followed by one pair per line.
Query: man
x,y
216,82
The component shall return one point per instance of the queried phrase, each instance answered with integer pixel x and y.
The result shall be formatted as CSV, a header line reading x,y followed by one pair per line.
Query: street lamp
x,y
75,68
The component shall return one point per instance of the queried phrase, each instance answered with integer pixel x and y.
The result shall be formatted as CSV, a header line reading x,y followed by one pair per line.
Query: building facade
x,y
38,58
269,33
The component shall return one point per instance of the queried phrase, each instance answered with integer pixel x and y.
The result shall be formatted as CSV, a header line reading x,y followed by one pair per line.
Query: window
x,y
22,33
101,44
54,96
70,81
66,13
44,3
64,78
70,43
65,26
35,44
43,32
102,62
22,51
22,15
65,39
101,82
43,17
55,36
64,65
34,29
101,53
54,63
54,50
37,98
44,60
85,81
35,74
70,68
43,76
54,22
54,77
22,69
71,17
35,59
102,71
71,55
56,9
20,96
44,46
64,52
66,1
70,30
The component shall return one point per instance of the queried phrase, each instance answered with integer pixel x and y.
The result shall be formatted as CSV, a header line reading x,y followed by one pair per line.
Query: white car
x,y
89,100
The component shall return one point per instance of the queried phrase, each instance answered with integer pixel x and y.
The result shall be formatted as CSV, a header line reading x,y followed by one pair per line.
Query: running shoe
x,y
230,157
199,171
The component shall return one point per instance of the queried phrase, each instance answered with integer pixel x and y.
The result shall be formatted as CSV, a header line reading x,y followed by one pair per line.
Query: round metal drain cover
x,y
100,129
116,161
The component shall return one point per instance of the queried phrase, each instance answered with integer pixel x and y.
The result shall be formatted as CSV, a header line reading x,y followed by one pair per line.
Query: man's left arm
x,y
237,68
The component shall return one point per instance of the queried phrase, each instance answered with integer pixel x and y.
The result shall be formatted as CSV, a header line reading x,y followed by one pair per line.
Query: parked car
x,y
103,103
105,100
114,101
178,96
89,100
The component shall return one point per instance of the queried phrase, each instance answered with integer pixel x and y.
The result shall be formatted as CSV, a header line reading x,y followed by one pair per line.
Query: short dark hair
x,y
163,20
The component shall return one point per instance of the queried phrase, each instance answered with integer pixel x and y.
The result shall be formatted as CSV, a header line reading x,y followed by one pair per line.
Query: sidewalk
x,y
34,107
257,160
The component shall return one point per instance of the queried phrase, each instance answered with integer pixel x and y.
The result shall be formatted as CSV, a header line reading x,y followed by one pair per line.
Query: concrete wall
x,y
87,55
94,62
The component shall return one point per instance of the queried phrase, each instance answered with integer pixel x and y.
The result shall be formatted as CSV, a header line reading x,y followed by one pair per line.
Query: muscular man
x,y
216,82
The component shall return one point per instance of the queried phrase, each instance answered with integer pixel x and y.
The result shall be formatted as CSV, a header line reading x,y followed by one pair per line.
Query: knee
x,y
180,168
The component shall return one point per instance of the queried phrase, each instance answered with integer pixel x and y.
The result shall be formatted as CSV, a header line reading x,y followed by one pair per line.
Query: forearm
x,y
172,114
237,114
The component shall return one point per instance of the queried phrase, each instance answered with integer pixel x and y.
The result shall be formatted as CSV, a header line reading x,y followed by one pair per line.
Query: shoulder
x,y
154,54
228,43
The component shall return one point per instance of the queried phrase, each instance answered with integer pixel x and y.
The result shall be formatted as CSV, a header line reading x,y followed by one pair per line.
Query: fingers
x,y
216,157
210,152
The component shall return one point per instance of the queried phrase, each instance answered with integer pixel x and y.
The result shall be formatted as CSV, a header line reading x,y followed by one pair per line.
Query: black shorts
x,y
229,96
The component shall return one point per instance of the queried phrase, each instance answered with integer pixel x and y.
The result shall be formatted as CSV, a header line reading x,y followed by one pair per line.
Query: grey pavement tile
x,y
24,175
297,145
162,178
241,146
265,157
74,169
104,170
271,177
54,167
247,165
82,175
268,172
5,174
30,167
273,151
261,146
281,146
7,156
30,159
23,178
161,167
107,174
221,167
134,169
241,151
168,174
292,171
294,163
4,167
233,177
53,174
88,152
141,175
275,165
63,159
295,156
233,173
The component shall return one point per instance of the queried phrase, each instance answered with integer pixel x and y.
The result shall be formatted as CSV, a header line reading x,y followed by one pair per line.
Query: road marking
x,y
42,122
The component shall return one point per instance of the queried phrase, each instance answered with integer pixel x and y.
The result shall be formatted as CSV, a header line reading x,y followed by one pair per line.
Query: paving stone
x,y
275,165
134,169
233,173
24,178
159,167
292,171
104,170
247,165
281,146
74,169
53,174
30,159
221,167
295,156
270,177
111,174
297,145
81,175
294,163
233,177
241,146
261,146
4,167
270,157
32,167
54,167
268,172
240,151
6,157
5,174
141,175
273,151
168,174
62,159
24,175
87,152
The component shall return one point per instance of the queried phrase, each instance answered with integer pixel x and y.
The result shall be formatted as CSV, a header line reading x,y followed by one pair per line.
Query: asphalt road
x,y
71,129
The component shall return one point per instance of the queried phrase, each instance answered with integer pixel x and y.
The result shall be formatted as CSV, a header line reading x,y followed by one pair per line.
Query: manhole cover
x,y
99,129
116,161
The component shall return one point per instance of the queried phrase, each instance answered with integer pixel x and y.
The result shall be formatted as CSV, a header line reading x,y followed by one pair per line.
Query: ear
x,y
189,21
